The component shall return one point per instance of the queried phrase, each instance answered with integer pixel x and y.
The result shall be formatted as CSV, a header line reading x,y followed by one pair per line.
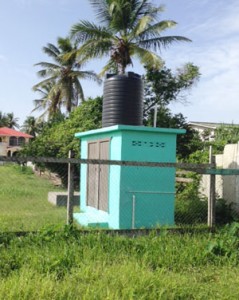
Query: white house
x,y
207,129
11,141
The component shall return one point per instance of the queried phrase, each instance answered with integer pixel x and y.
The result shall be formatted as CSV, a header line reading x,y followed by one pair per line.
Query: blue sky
x,y
213,25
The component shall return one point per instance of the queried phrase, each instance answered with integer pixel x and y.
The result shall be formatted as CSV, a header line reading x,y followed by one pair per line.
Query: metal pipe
x,y
133,212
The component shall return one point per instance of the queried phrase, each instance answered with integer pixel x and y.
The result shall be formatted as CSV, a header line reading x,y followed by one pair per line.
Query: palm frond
x,y
79,90
148,58
110,67
69,56
51,50
86,30
140,27
145,8
95,48
101,9
120,12
39,104
47,65
47,72
155,30
85,75
164,41
65,45
40,91
43,82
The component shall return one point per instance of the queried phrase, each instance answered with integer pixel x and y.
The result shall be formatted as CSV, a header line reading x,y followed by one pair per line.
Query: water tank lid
x,y
127,74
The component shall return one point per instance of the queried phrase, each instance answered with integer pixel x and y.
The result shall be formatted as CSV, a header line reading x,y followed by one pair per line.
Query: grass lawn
x,y
67,264
23,200
63,263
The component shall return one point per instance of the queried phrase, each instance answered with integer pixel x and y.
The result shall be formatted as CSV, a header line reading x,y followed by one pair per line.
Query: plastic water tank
x,y
123,100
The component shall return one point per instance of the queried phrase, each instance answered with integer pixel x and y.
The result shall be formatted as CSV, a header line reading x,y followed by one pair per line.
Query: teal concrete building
x,y
127,197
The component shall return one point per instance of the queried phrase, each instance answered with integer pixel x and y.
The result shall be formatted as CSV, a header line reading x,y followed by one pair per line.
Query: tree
x,y
162,87
61,86
11,121
32,126
224,134
2,119
57,137
49,101
128,28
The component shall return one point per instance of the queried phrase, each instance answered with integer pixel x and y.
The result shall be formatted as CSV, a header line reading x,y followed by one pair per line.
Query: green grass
x,y
67,264
23,200
59,262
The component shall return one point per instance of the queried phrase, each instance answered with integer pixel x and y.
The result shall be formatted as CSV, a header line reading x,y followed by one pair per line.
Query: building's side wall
x,y
147,193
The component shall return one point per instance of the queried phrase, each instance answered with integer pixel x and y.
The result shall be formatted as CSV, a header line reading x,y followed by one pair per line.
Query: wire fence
x,y
38,192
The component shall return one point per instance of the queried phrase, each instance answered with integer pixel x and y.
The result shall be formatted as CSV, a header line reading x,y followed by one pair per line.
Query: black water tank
x,y
123,100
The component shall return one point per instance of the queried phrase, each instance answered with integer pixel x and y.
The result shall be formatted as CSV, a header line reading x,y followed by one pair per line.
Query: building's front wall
x,y
114,176
10,145
206,133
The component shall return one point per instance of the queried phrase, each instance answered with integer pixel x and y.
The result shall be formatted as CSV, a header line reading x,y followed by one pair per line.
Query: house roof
x,y
210,125
4,131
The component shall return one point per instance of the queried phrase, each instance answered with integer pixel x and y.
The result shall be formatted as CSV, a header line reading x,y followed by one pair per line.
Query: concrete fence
x,y
227,187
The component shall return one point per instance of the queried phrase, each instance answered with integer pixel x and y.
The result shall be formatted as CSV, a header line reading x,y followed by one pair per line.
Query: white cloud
x,y
215,50
218,20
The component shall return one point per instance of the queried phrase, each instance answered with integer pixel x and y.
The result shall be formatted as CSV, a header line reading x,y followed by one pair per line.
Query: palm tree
x,y
62,76
128,28
31,126
49,101
11,121
2,119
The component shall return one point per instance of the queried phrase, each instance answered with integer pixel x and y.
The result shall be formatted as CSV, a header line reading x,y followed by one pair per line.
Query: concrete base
x,y
60,198
92,219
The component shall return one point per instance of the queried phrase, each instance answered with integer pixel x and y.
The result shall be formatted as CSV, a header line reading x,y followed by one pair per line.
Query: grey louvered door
x,y
97,178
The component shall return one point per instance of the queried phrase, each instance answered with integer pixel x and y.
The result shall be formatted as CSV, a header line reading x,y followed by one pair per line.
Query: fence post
x,y
211,220
70,191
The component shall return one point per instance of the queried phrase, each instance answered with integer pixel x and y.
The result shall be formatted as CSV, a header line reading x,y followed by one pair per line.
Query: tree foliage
x,y
128,28
32,126
8,120
61,85
163,87
49,101
2,119
58,136
224,134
